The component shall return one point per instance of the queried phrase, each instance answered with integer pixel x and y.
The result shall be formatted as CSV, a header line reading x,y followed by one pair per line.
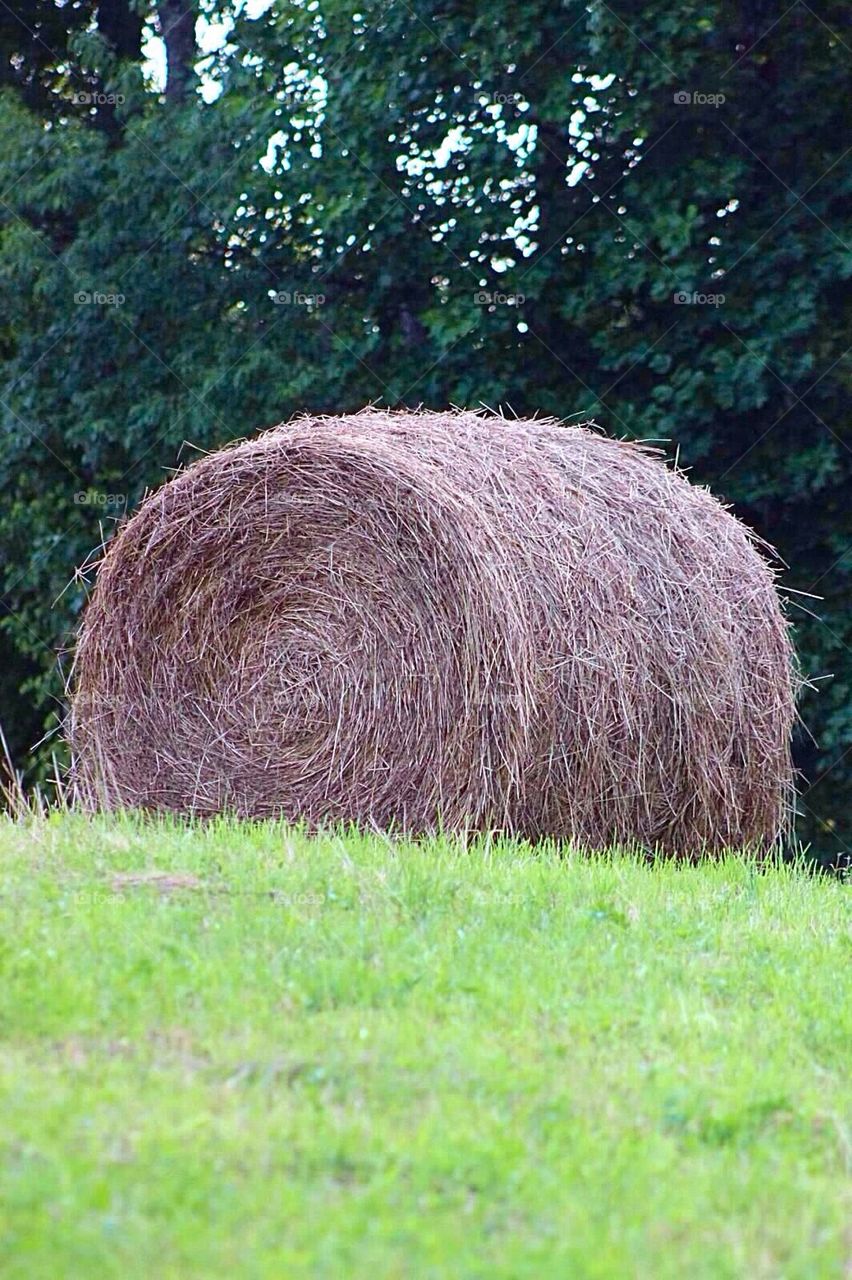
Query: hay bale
x,y
421,618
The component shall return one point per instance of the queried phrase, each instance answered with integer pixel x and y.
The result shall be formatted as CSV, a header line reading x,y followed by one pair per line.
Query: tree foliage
x,y
635,214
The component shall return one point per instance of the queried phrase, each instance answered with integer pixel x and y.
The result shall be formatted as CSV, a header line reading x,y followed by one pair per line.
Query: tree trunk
x,y
177,27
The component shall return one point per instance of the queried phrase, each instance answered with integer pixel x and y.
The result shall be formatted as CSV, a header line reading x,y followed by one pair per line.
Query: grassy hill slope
x,y
237,1051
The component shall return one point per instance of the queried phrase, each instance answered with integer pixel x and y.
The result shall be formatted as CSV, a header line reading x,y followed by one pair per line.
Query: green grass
x,y
341,1057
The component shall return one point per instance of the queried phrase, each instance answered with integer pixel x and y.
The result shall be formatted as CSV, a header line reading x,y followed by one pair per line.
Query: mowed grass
x,y
237,1051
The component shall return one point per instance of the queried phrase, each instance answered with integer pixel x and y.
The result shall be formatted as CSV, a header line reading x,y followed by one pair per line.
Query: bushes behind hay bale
x,y
420,618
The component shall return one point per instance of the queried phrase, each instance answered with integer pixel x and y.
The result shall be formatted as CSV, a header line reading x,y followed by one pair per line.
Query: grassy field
x,y
238,1052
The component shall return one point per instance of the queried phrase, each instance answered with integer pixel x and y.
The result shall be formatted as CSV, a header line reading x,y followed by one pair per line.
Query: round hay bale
x,y
415,619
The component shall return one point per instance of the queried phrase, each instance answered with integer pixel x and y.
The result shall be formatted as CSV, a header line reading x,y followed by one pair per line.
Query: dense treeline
x,y
626,213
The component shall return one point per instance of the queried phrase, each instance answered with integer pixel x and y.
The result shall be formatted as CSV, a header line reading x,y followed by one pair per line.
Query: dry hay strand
x,y
415,620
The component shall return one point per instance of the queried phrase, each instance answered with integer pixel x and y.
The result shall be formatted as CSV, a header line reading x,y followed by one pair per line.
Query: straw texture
x,y
413,619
